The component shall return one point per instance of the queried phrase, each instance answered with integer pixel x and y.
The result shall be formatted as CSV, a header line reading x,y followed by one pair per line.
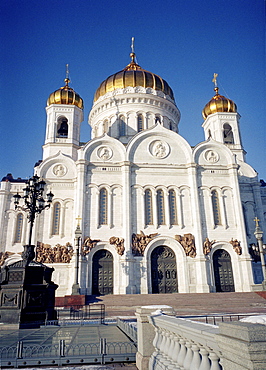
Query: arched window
x,y
228,134
19,225
122,126
56,218
148,207
172,207
103,207
157,119
160,207
216,207
62,127
140,122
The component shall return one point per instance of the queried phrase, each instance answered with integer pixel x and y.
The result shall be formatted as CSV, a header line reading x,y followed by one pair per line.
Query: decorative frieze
x,y
118,243
188,243
57,254
140,241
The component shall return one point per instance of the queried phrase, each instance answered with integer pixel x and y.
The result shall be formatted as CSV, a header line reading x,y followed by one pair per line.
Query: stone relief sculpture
x,y
207,246
119,244
88,244
188,243
236,245
140,241
57,254
4,256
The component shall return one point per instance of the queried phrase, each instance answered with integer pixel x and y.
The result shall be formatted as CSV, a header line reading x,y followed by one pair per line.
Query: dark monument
x,y
27,294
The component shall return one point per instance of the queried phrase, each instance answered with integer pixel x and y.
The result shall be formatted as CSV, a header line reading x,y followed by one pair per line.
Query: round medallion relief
x,y
159,149
211,156
59,170
104,153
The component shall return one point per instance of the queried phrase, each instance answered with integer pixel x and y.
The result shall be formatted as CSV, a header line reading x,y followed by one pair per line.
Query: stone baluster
x,y
154,355
182,352
214,361
172,366
176,349
166,358
205,362
196,361
189,356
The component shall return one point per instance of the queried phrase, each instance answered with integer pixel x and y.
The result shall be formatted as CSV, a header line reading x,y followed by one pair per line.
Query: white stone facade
x,y
150,182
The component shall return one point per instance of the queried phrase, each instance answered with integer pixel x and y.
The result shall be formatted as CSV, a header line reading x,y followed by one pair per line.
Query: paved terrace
x,y
185,304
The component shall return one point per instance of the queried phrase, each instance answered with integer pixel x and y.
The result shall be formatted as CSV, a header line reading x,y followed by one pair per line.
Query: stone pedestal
x,y
242,345
27,294
146,333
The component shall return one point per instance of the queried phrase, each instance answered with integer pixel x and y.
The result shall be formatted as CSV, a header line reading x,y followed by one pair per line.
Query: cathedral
x,y
137,209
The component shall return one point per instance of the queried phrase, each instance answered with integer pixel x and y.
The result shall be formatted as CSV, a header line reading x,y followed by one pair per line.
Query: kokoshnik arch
x,y
155,214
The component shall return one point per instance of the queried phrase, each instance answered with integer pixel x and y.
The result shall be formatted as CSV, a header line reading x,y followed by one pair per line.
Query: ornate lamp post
x,y
33,203
259,234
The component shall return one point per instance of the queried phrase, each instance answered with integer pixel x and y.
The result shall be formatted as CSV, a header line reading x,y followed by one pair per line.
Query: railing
x,y
183,344
216,319
129,327
82,314
62,354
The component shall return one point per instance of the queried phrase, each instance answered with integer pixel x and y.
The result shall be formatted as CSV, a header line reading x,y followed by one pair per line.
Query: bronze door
x,y
163,270
223,273
102,273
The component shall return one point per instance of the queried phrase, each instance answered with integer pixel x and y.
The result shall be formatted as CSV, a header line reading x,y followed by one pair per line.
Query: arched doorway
x,y
102,273
223,273
163,270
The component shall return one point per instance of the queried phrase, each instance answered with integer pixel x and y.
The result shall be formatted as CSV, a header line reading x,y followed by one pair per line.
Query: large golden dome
x,y
133,75
218,103
65,95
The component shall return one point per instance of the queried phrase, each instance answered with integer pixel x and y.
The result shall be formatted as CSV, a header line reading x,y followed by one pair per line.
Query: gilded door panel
x,y
163,270
102,273
223,273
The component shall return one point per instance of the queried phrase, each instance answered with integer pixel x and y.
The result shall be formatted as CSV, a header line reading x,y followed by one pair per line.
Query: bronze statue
x,y
236,245
88,244
119,244
207,246
57,254
140,241
188,243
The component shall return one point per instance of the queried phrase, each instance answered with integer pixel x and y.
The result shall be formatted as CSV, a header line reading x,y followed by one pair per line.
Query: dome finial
x,y
214,80
67,80
132,44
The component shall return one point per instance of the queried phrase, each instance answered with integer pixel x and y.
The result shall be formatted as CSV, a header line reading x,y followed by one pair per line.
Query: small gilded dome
x,y
133,75
218,103
65,95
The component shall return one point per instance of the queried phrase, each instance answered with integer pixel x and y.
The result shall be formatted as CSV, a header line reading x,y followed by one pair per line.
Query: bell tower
x,y
222,122
64,114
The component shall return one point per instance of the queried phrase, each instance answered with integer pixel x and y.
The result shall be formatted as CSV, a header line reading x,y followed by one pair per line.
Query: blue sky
x,y
183,41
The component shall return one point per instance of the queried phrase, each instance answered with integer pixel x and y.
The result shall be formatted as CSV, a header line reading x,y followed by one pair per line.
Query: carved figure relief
x,y
211,156
104,153
57,254
4,256
59,170
88,244
188,243
207,246
119,244
159,149
236,245
140,241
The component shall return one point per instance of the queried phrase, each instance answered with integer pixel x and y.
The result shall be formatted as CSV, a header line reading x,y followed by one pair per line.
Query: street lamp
x,y
33,203
258,235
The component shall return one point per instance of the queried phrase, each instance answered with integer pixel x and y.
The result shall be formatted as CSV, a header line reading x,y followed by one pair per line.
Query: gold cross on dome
x,y
256,221
78,219
214,80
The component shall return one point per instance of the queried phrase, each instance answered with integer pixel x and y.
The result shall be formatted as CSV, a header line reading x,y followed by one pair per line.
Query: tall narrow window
x,y
56,218
160,207
172,207
216,207
103,207
140,122
19,225
228,134
148,208
62,128
122,126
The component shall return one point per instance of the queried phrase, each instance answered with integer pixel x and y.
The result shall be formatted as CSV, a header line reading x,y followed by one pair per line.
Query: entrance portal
x,y
163,270
102,273
223,273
